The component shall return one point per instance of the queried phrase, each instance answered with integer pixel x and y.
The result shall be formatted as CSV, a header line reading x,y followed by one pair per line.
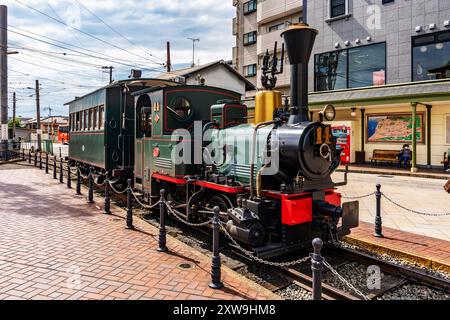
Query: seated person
x,y
404,156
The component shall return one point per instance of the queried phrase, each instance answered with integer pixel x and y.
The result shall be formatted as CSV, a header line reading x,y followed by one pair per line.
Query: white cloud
x,y
146,23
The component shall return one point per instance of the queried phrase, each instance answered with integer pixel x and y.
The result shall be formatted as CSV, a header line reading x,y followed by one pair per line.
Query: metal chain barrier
x,y
181,219
359,197
344,281
116,191
143,205
250,254
414,211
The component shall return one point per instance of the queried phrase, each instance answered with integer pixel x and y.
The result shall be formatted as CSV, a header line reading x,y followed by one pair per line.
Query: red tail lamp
x,y
156,152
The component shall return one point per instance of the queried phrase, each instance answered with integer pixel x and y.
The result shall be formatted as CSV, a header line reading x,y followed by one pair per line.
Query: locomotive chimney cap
x,y
299,39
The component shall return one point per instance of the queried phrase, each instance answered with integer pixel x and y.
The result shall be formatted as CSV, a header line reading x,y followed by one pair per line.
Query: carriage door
x,y
143,133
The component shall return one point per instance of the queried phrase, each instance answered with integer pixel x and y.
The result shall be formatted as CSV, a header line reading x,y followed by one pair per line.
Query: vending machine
x,y
343,135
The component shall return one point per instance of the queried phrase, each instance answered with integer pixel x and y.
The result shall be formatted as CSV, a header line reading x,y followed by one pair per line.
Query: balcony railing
x,y
269,10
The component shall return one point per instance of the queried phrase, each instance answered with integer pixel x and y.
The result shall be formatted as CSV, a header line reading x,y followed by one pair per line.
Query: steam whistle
x,y
270,68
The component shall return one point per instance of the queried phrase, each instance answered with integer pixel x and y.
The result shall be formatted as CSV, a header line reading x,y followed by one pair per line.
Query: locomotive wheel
x,y
222,201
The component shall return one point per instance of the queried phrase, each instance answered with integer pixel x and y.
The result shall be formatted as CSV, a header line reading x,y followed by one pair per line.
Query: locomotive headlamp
x,y
329,112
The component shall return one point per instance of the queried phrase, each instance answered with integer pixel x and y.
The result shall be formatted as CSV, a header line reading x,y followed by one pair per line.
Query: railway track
x,y
279,278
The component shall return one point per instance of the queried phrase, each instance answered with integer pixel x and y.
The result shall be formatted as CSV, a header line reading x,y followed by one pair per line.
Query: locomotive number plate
x,y
323,135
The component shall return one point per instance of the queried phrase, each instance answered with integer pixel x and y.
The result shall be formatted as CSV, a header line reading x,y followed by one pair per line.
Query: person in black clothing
x,y
404,156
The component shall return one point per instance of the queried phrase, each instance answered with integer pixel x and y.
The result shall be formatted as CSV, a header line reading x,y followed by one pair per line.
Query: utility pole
x,y
110,68
194,40
4,72
168,62
38,116
14,116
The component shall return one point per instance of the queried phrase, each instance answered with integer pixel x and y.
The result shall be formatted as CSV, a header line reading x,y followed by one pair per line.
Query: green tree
x,y
10,123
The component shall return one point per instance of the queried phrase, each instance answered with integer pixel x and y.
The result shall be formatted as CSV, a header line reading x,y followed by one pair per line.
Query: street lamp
x,y
194,40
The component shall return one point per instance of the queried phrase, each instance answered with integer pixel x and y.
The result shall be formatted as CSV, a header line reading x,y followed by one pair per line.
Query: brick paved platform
x,y
55,246
429,252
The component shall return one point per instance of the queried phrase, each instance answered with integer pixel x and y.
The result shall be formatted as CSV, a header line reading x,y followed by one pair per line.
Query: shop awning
x,y
426,91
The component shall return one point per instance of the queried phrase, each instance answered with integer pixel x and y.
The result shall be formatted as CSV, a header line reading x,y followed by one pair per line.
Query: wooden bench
x,y
384,156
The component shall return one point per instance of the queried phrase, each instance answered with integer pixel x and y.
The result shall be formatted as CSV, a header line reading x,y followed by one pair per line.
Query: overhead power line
x,y
115,31
81,31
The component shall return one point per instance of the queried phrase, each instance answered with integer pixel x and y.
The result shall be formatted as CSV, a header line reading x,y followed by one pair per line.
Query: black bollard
x,y
35,158
162,247
40,160
317,267
107,206
61,171
78,180
129,206
46,164
29,156
216,263
378,223
91,186
69,178
54,168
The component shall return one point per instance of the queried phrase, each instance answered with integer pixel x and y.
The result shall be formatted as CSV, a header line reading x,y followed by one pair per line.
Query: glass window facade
x,y
363,66
431,57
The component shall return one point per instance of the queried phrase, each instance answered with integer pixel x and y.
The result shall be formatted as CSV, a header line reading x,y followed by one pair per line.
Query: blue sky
x,y
145,25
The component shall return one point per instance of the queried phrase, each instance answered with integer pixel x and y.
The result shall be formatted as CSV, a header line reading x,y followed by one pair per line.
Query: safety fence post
x,y
129,206
61,171
162,247
91,186
35,158
69,178
23,154
40,160
54,168
46,164
78,180
378,223
216,262
317,267
107,206
29,156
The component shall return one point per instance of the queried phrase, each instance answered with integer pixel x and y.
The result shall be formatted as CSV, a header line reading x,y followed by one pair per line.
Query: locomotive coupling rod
x,y
162,223
378,223
61,171
216,263
78,180
129,206
107,206
90,198
54,167
69,178
317,267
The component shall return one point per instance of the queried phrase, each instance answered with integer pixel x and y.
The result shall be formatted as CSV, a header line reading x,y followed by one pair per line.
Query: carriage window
x,y
91,115
181,108
101,113
77,121
94,119
146,119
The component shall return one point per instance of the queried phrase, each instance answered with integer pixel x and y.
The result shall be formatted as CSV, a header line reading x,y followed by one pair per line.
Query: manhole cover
x,y
185,266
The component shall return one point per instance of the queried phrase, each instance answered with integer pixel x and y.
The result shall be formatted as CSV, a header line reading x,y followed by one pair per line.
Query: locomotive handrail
x,y
252,163
345,182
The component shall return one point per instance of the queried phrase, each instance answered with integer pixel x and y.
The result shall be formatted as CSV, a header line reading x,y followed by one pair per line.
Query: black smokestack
x,y
299,39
